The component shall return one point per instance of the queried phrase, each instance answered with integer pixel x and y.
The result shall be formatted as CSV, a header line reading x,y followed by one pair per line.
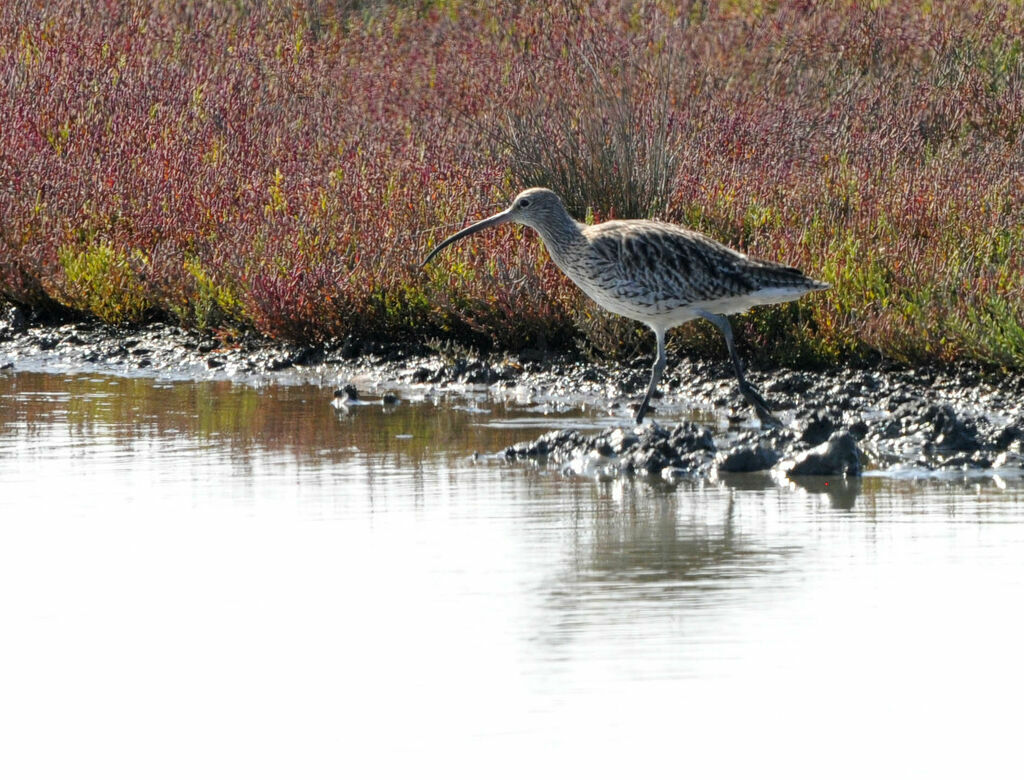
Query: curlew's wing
x,y
670,266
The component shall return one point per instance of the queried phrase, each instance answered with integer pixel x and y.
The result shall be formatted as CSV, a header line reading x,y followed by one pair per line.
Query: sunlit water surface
x,y
207,579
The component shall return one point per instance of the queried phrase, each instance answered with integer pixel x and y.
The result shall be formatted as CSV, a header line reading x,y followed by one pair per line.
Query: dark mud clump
x,y
684,449
837,440
844,438
28,338
688,450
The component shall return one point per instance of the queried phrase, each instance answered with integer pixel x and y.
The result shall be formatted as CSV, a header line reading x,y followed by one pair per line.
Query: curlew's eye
x,y
524,203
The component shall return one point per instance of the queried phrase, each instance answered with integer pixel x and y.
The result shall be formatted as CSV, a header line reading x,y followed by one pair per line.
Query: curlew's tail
x,y
766,278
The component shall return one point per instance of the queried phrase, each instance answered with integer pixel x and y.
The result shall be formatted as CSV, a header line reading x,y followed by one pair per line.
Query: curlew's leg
x,y
656,370
749,392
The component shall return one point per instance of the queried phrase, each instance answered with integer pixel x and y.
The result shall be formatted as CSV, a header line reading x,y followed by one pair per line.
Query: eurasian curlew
x,y
656,273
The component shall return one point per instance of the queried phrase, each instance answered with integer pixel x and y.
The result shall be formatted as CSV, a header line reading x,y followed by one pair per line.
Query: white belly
x,y
668,314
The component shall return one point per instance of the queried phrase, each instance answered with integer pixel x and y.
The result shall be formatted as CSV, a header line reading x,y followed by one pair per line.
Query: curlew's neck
x,y
563,237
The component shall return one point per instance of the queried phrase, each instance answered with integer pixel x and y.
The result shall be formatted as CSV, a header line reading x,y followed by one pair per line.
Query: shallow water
x,y
219,580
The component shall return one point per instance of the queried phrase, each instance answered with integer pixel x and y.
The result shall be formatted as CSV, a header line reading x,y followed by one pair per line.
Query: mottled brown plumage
x,y
657,273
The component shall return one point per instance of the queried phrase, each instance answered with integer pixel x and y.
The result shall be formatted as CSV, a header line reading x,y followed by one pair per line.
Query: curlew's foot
x,y
645,407
764,414
768,420
642,412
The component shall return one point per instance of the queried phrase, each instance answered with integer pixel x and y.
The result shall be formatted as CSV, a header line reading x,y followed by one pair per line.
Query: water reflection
x,y
841,492
665,554
297,422
680,539
250,421
254,564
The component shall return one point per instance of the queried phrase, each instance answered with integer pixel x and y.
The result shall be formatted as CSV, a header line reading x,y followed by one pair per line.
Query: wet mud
x,y
838,422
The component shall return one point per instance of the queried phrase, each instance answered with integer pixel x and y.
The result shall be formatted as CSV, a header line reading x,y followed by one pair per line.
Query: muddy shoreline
x,y
837,422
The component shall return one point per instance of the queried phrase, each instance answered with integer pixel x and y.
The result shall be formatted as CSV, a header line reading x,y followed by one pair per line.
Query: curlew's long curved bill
x,y
497,219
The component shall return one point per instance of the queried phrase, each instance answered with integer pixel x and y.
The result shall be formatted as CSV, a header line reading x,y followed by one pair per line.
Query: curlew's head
x,y
536,207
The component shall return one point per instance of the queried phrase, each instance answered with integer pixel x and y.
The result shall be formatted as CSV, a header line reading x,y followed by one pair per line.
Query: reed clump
x,y
284,166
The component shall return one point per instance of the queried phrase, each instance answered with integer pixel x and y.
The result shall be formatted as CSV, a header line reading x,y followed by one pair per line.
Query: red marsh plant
x,y
285,166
